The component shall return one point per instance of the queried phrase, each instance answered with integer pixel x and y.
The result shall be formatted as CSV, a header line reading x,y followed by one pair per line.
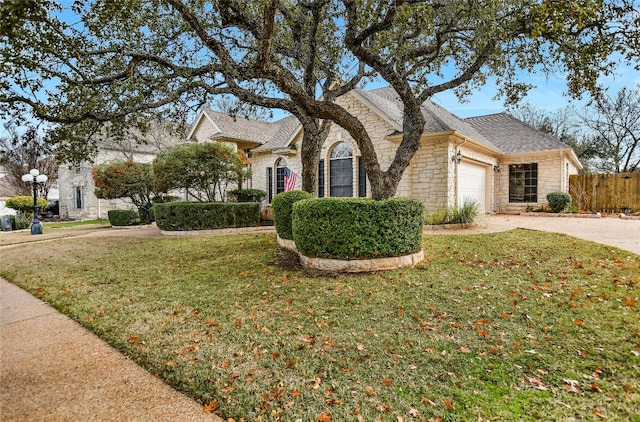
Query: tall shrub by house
x,y
205,171
127,179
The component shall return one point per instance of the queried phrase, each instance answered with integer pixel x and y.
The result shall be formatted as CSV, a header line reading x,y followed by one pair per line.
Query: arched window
x,y
341,170
281,163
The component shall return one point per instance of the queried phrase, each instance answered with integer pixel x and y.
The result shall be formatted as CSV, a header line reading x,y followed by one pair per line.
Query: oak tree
x,y
118,61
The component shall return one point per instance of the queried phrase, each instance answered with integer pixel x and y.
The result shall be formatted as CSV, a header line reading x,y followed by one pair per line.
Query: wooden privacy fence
x,y
617,192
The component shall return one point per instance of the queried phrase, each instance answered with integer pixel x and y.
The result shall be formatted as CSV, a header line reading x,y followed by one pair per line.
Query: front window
x,y
280,166
523,182
341,171
77,197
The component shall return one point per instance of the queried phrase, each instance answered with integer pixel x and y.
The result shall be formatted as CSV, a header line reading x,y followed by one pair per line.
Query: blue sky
x,y
549,93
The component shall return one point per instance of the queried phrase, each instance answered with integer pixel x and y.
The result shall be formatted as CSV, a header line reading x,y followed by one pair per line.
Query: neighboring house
x,y
76,188
500,162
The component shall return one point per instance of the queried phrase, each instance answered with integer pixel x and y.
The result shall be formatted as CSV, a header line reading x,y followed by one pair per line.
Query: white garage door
x,y
472,184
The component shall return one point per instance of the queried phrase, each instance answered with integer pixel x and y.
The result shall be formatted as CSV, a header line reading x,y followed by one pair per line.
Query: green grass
x,y
67,224
519,325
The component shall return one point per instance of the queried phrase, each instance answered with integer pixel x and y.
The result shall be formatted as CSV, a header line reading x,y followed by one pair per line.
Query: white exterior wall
x,y
554,169
260,161
80,176
431,168
377,129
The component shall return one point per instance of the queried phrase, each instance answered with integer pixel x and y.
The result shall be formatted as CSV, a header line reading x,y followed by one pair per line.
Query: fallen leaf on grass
x,y
448,404
572,386
599,413
427,401
536,383
464,350
386,382
212,406
324,417
369,391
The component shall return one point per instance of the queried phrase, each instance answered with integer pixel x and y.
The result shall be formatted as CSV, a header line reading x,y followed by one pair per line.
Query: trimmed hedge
x,y
282,206
123,217
183,216
558,201
352,228
247,195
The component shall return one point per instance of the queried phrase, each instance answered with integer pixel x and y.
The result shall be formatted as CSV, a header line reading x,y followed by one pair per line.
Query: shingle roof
x,y
512,135
242,128
500,132
437,119
286,128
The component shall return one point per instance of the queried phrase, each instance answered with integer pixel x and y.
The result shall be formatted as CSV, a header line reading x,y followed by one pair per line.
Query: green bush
x,y
247,195
182,216
355,228
123,217
25,203
282,206
21,221
558,201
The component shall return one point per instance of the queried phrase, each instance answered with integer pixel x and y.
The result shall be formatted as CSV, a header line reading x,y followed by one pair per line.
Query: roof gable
x,y
437,119
513,136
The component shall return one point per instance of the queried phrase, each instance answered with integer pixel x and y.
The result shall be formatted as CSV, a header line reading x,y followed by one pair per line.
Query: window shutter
x,y
321,179
362,178
270,183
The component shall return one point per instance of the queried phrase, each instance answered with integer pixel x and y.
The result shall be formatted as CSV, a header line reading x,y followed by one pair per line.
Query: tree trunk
x,y
314,135
384,184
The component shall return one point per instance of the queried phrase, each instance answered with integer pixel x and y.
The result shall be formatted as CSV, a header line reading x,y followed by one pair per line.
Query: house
x,y
500,162
496,160
77,199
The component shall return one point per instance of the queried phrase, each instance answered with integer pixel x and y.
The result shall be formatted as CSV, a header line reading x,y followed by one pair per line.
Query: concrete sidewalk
x,y
52,369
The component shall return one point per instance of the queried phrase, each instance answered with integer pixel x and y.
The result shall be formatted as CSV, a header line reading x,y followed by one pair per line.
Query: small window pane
x,y
342,150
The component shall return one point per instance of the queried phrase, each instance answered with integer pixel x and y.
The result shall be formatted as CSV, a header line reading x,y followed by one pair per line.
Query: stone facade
x,y
434,176
77,198
554,169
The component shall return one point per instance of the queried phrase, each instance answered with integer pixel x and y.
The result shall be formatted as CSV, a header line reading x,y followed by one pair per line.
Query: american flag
x,y
289,179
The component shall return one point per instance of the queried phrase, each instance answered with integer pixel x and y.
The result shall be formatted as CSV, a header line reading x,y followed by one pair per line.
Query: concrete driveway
x,y
624,234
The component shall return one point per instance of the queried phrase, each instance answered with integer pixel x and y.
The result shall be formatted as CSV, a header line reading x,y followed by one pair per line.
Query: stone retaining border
x,y
353,265
457,226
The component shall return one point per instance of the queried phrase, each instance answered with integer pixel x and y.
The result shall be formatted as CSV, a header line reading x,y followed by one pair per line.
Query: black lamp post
x,y
34,178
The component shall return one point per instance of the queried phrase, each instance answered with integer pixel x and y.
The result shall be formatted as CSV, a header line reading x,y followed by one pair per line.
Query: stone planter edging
x,y
353,265
456,226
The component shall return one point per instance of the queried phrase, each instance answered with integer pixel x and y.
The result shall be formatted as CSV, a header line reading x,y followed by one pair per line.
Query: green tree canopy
x,y
126,179
205,171
117,61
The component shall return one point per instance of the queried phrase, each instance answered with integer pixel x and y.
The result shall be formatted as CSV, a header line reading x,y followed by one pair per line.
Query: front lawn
x,y
519,325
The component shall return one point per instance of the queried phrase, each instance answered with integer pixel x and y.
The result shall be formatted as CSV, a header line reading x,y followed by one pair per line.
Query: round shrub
x,y
282,206
558,201
123,217
25,203
352,228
